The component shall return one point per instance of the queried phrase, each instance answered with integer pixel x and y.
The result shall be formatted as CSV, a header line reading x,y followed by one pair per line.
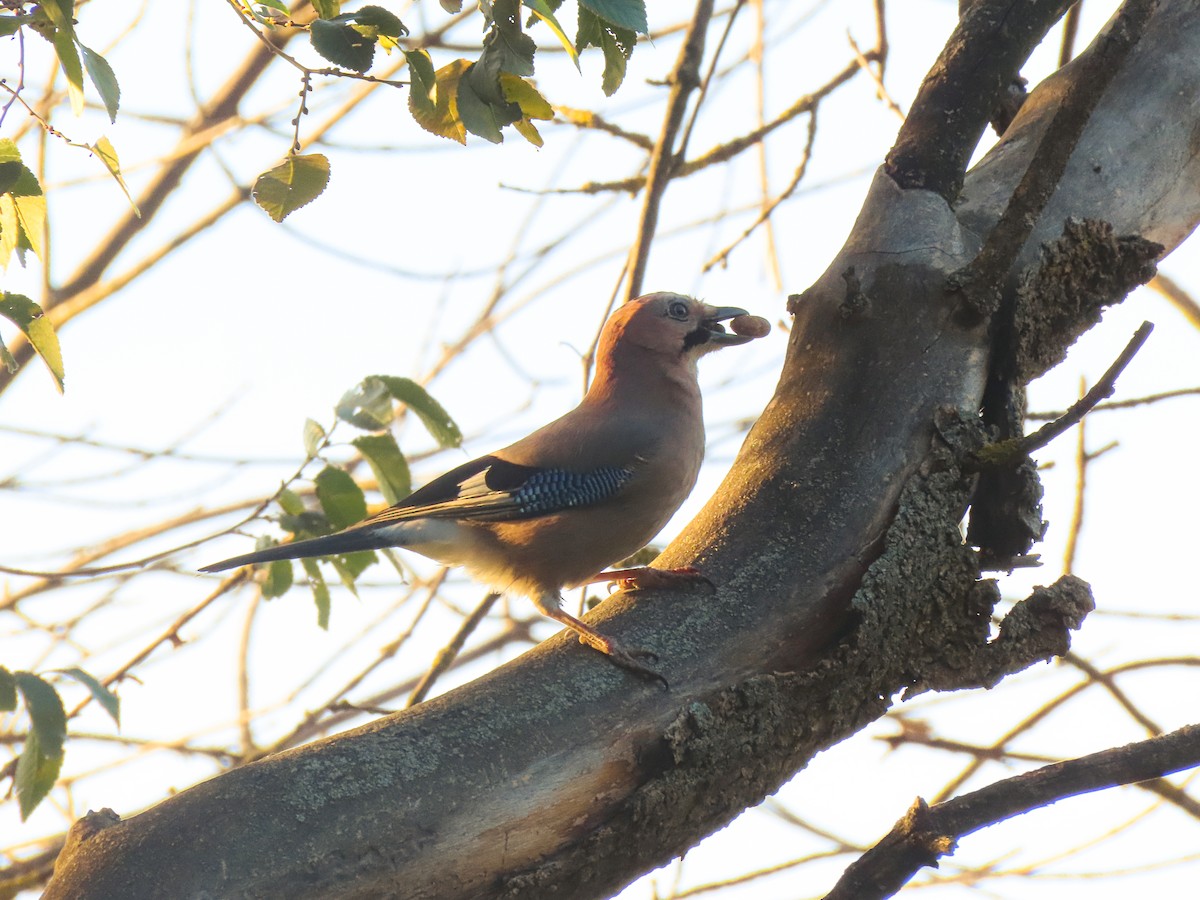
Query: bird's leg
x,y
625,657
644,577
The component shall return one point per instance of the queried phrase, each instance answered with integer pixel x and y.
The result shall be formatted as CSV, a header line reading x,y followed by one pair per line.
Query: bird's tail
x,y
342,542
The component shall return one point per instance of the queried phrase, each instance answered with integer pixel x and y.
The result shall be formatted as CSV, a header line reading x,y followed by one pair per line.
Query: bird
x,y
555,509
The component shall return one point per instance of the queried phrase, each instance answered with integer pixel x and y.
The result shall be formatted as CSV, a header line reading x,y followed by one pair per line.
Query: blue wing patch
x,y
492,490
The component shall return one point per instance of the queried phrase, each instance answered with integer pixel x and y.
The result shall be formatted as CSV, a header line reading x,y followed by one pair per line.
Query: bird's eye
x,y
678,309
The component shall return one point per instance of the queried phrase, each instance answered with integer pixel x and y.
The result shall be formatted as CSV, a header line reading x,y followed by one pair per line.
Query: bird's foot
x,y
628,658
646,578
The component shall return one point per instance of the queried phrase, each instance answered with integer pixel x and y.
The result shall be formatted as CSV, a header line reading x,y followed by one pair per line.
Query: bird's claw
x,y
627,657
662,579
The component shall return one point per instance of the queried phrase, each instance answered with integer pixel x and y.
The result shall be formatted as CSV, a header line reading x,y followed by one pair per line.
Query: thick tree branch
x,y
841,578
925,832
983,56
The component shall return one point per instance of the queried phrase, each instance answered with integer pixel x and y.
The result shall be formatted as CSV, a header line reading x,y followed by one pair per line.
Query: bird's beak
x,y
713,316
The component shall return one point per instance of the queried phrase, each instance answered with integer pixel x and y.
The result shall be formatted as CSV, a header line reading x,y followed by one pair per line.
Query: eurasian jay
x,y
557,507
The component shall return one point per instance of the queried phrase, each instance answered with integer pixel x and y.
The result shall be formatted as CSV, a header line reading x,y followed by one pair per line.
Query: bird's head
x,y
672,324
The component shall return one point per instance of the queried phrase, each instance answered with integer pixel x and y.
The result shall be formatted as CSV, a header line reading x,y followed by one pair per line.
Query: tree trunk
x,y
834,545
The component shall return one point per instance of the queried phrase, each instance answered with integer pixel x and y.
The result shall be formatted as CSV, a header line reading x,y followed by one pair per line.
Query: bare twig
x,y
926,833
447,655
684,79
1007,453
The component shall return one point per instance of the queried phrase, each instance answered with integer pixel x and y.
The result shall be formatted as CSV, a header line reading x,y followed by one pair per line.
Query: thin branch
x,y
926,833
447,655
684,79
1008,453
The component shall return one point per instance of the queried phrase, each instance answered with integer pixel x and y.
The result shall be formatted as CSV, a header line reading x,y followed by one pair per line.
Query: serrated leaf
x,y
431,413
616,43
478,116
506,46
68,58
279,579
46,714
341,44
381,20
340,498
36,773
9,229
542,10
11,24
105,81
313,435
327,9
27,316
106,698
61,13
41,758
290,503
367,405
107,153
294,183
31,213
525,95
357,562
309,523
529,131
275,4
434,102
383,455
628,14
320,592
8,691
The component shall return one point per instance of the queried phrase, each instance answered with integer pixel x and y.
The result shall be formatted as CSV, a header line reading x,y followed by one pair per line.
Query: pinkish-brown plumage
x,y
579,494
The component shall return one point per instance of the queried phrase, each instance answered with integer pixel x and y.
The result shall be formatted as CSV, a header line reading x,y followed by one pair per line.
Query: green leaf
x,y
542,10
106,698
276,4
61,13
628,14
8,691
383,455
27,316
341,44
104,149
279,579
451,6
320,591
294,183
616,43
505,42
478,116
68,56
367,405
381,21
433,97
11,24
431,413
23,200
36,773
314,434
41,759
291,503
340,498
105,80
327,9
354,564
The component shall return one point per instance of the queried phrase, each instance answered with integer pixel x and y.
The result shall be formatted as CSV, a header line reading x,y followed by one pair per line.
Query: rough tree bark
x,y
834,544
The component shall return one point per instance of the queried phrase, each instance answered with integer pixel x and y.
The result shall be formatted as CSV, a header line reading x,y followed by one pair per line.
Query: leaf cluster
x,y
481,97
41,759
370,406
